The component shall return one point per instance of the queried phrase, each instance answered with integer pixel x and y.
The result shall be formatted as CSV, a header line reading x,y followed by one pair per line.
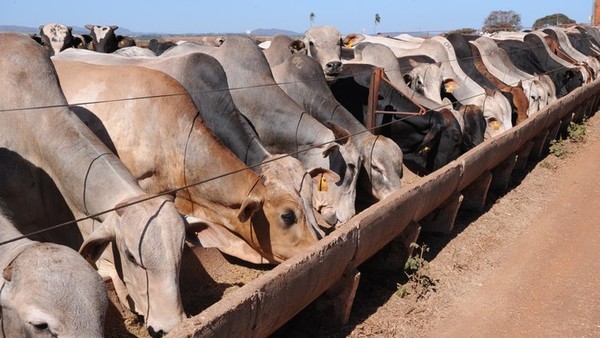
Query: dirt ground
x,y
526,267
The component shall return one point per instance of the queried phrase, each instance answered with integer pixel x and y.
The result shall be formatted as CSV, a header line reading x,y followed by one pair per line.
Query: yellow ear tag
x,y
495,125
322,184
425,150
449,86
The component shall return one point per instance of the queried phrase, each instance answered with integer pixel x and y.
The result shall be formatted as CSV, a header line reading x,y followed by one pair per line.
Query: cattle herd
x,y
127,154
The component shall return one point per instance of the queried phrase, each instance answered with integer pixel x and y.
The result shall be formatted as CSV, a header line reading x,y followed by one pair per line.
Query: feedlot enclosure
x,y
430,203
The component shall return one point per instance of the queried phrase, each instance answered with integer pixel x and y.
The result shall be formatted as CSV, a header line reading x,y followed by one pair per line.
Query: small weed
x,y
577,131
559,148
417,270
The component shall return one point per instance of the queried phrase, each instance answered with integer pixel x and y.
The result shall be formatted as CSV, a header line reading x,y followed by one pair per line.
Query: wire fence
x,y
251,167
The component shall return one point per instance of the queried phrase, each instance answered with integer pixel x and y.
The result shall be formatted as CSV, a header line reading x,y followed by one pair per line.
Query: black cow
x,y
160,47
104,39
428,141
525,55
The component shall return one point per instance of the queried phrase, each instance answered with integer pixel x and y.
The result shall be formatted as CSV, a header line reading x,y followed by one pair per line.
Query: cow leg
x,y
475,194
442,219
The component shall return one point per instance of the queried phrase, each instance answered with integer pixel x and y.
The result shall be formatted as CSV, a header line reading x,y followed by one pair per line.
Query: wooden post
x,y
442,219
373,98
596,13
341,297
475,194
523,156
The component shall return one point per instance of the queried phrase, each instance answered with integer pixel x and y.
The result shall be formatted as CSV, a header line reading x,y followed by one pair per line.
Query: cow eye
x,y
289,217
40,326
130,257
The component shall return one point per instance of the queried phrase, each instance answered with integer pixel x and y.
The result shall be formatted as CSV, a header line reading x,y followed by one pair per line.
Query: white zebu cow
x,y
149,236
47,289
324,44
302,79
495,107
539,89
282,125
283,177
567,47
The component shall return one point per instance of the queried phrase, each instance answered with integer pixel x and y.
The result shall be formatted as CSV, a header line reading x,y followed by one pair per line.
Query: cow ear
x,y
431,135
413,63
330,148
250,205
114,28
449,85
351,40
70,29
41,27
446,103
90,27
520,84
318,173
203,233
120,208
93,247
489,91
8,272
297,47
342,135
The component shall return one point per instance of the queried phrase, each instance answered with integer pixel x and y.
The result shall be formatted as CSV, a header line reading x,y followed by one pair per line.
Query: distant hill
x,y
125,31
18,29
273,31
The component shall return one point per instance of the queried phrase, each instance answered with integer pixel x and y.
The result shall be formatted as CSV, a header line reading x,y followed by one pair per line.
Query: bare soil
x,y
526,266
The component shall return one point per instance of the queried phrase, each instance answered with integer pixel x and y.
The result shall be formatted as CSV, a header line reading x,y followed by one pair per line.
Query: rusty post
x,y
373,98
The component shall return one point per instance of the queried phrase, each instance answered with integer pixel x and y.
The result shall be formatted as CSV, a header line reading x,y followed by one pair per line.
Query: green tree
x,y
377,21
552,20
312,17
502,21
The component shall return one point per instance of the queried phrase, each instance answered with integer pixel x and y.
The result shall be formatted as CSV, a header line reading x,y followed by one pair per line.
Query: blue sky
x,y
187,16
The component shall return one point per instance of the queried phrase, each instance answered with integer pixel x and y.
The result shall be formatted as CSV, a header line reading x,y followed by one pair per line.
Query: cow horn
x,y
7,273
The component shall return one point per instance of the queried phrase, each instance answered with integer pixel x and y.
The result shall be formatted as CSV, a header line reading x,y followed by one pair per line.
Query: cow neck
x,y
210,179
93,179
11,250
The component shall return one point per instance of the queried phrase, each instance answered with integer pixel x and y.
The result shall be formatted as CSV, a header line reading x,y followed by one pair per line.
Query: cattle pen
x,y
430,203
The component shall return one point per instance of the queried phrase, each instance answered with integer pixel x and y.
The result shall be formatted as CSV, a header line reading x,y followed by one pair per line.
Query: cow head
x,y
56,37
382,165
426,79
496,111
336,202
148,238
325,45
104,39
291,226
50,290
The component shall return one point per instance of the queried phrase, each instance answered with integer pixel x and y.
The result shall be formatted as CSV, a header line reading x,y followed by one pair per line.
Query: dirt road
x,y
528,266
